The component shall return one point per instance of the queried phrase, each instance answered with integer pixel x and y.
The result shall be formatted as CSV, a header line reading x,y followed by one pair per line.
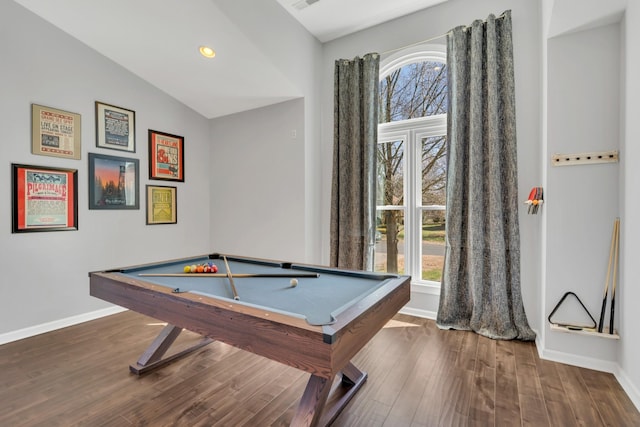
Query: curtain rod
x,y
430,39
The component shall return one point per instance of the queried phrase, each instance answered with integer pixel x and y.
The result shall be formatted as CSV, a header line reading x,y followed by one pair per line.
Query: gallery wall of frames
x,y
45,198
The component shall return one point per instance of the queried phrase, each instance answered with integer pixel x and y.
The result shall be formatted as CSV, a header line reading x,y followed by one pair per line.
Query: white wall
x,y
258,182
296,160
429,24
629,346
582,201
606,48
45,275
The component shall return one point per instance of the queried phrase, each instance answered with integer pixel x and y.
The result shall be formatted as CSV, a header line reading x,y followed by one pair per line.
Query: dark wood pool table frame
x,y
323,351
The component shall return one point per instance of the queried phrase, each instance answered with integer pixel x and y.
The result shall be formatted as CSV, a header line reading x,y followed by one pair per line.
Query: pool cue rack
x,y
580,329
588,332
588,158
575,328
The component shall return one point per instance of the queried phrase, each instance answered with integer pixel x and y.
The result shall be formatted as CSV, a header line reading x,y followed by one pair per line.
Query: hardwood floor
x,y
418,376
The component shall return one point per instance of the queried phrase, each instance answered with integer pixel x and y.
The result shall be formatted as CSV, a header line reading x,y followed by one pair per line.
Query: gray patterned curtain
x,y
353,197
481,278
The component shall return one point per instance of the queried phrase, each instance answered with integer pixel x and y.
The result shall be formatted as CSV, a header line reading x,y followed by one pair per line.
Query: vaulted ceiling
x,y
158,40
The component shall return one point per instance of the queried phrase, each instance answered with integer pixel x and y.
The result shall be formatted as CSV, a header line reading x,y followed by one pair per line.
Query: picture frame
x,y
55,132
162,205
166,156
115,127
113,182
44,198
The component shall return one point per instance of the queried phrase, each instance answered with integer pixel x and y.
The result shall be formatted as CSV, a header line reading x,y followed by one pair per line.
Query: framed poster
x,y
55,132
113,182
166,156
115,127
162,206
44,198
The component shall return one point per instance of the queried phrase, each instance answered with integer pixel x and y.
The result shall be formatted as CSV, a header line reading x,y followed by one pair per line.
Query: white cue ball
x,y
294,283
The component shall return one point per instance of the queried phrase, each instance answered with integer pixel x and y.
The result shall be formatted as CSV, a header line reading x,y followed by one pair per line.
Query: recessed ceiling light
x,y
207,52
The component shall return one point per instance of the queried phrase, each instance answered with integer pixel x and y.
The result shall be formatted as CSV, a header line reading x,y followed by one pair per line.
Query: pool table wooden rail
x,y
291,340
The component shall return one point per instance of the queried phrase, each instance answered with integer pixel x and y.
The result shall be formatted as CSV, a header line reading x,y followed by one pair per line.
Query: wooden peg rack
x,y
585,158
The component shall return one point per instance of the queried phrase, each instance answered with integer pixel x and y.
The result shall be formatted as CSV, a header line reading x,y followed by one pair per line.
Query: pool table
x,y
317,326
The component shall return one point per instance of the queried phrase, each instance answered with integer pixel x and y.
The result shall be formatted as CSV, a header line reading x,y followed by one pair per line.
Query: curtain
x,y
481,275
353,197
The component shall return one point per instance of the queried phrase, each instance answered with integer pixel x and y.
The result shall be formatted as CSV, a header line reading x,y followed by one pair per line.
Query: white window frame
x,y
411,132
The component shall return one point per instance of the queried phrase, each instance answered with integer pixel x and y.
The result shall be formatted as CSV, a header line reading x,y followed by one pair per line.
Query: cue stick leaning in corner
x,y
615,268
603,310
230,276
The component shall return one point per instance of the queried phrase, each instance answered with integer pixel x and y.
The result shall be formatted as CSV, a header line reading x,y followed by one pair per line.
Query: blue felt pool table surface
x,y
316,299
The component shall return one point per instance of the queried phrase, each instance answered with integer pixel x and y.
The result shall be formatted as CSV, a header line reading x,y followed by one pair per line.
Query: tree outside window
x,y
412,168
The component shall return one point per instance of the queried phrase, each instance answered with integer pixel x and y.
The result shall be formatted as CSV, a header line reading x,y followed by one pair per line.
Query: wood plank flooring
x,y
419,376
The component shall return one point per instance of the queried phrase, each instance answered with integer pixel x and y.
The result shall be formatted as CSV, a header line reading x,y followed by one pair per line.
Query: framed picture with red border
x,y
166,156
44,198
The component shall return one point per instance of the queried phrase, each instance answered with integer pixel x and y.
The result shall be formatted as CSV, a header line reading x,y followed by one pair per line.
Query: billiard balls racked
x,y
201,268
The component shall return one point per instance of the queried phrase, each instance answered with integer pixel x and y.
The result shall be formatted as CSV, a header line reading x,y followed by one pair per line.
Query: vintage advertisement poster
x,y
115,127
166,154
55,132
44,198
161,205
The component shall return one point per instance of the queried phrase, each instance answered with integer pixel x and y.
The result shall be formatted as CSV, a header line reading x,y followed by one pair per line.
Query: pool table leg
x,y
318,394
152,356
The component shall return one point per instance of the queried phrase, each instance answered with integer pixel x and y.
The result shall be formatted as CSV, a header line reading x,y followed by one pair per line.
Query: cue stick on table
x,y
237,275
230,276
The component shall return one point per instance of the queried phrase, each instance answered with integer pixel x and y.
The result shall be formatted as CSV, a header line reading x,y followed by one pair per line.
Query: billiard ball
x,y
294,283
214,268
200,269
194,268
187,269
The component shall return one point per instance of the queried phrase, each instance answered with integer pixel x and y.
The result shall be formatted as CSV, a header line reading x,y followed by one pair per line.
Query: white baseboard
x,y
629,388
418,313
598,365
57,324
566,358
580,361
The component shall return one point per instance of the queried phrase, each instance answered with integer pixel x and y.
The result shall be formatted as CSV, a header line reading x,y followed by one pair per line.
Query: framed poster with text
x,y
166,156
162,206
44,198
55,132
115,127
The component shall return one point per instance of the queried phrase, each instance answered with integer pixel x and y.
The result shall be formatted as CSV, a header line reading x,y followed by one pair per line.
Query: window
x,y
412,164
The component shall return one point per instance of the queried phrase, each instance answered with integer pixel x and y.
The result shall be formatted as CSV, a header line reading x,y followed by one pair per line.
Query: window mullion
x,y
417,198
408,216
